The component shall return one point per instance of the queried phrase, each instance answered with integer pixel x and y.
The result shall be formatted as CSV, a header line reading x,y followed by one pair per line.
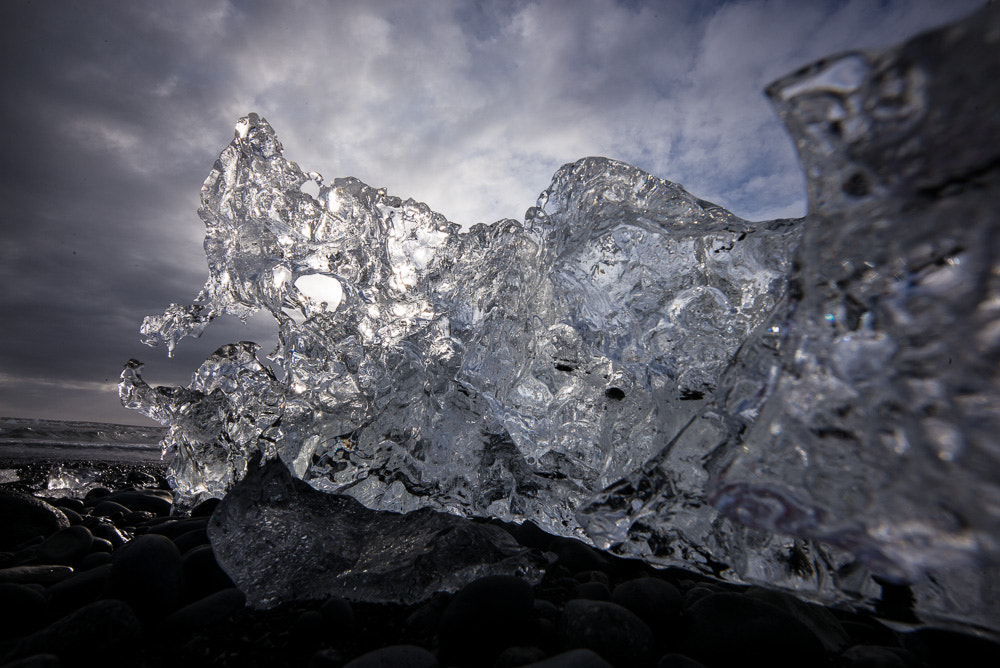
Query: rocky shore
x,y
117,579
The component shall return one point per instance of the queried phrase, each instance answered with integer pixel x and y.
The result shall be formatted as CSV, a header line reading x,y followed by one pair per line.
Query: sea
x,y
65,458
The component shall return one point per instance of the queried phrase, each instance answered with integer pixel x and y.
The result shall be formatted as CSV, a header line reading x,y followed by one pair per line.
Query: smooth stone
x,y
396,656
338,613
530,534
92,496
655,601
23,516
66,545
818,619
93,560
174,528
585,577
141,479
101,545
593,591
73,516
575,658
91,635
79,590
110,509
137,518
36,661
209,610
869,633
941,647
513,657
484,617
202,574
144,501
612,631
103,528
22,610
326,658
205,508
64,503
147,573
191,539
729,628
578,556
870,656
42,574
678,661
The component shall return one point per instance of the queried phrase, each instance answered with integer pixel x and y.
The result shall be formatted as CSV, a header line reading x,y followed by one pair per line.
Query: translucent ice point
x,y
796,403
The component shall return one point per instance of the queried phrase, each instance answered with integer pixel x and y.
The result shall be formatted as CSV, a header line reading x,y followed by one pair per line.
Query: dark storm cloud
x,y
113,113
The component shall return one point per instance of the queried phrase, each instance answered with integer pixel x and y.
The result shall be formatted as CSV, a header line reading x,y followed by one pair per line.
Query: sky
x,y
113,113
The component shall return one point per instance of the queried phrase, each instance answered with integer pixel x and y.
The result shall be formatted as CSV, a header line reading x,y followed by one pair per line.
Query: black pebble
x,y
93,560
88,636
110,509
79,590
678,661
103,528
338,613
608,629
143,501
209,610
22,610
512,657
23,516
396,656
205,508
141,479
91,497
655,601
76,505
202,574
869,656
530,535
484,617
66,546
578,556
594,591
191,539
576,658
733,629
147,574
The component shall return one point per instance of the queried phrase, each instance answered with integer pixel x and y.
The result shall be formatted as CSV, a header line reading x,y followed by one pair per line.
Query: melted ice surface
x,y
638,366
513,369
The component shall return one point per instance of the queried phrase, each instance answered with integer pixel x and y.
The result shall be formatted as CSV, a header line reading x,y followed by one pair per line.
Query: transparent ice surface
x,y
311,545
638,366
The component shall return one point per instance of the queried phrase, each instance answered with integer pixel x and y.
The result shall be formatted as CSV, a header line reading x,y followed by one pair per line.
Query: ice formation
x,y
638,366
340,548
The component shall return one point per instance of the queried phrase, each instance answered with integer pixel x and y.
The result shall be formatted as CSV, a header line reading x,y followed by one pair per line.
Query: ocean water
x,y
59,458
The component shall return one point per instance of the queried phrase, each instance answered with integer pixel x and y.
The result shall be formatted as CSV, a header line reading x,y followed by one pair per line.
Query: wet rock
x,y
66,546
608,629
484,617
23,517
396,656
733,629
88,636
147,574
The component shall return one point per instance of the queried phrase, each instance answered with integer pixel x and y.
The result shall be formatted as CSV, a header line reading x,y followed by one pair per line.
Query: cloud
x,y
115,113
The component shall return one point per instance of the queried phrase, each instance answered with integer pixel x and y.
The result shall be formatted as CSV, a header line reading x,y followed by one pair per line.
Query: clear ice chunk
x,y
796,403
308,545
511,370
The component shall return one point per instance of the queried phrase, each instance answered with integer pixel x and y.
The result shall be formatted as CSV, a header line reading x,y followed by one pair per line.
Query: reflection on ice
x,y
793,402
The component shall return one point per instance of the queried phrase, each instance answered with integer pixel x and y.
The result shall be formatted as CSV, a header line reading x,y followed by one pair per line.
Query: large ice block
x,y
798,403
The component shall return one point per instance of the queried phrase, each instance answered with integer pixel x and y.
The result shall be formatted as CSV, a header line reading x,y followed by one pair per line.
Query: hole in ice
x,y
321,290
615,393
